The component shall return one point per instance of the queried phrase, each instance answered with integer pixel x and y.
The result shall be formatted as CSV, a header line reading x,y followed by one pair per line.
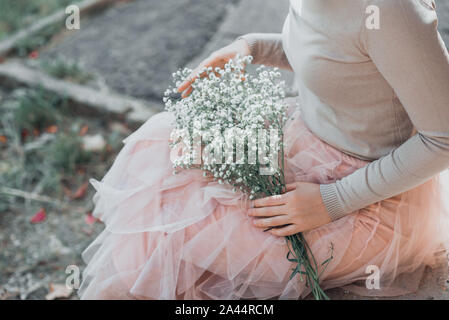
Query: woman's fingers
x,y
267,211
290,187
187,92
288,230
192,77
196,73
271,222
276,200
185,85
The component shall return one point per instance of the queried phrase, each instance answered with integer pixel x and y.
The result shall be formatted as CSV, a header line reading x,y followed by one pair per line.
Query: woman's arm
x,y
217,59
267,49
410,54
412,57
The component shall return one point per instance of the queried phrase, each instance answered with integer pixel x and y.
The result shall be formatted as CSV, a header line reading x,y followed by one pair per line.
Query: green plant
x,y
38,109
50,161
25,46
66,153
66,70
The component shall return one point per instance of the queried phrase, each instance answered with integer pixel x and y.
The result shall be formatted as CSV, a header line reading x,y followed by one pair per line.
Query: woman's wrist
x,y
251,44
331,201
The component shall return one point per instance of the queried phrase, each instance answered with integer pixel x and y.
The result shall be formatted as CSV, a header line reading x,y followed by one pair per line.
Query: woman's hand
x,y
217,59
299,209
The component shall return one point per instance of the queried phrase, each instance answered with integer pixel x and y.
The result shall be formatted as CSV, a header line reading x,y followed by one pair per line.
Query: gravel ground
x,y
135,46
34,256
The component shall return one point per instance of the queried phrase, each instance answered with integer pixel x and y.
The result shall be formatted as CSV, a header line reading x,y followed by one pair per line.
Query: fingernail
x,y
180,88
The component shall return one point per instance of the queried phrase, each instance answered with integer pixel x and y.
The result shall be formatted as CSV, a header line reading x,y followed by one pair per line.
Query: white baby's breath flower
x,y
227,98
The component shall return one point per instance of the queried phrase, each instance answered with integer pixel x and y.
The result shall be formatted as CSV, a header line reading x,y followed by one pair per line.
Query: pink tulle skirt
x,y
186,237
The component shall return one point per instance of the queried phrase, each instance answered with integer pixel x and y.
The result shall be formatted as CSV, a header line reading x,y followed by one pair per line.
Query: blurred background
x,y
69,97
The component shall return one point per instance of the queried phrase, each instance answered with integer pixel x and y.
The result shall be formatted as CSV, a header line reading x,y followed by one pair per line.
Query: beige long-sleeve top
x,y
379,94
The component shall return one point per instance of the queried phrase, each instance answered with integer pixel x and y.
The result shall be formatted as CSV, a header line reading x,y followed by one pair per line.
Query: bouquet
x,y
231,127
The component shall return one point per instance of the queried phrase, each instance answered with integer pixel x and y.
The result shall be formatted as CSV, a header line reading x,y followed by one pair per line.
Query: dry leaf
x,y
67,191
58,291
81,191
3,139
84,130
52,129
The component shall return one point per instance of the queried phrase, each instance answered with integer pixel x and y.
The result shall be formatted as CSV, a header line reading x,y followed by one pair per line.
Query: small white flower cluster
x,y
228,110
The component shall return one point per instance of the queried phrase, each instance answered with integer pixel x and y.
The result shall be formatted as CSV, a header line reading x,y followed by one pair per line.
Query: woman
x,y
363,154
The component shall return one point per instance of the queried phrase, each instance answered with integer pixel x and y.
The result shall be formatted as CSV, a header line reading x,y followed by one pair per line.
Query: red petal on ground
x,y
24,134
33,54
40,216
52,129
90,219
81,192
